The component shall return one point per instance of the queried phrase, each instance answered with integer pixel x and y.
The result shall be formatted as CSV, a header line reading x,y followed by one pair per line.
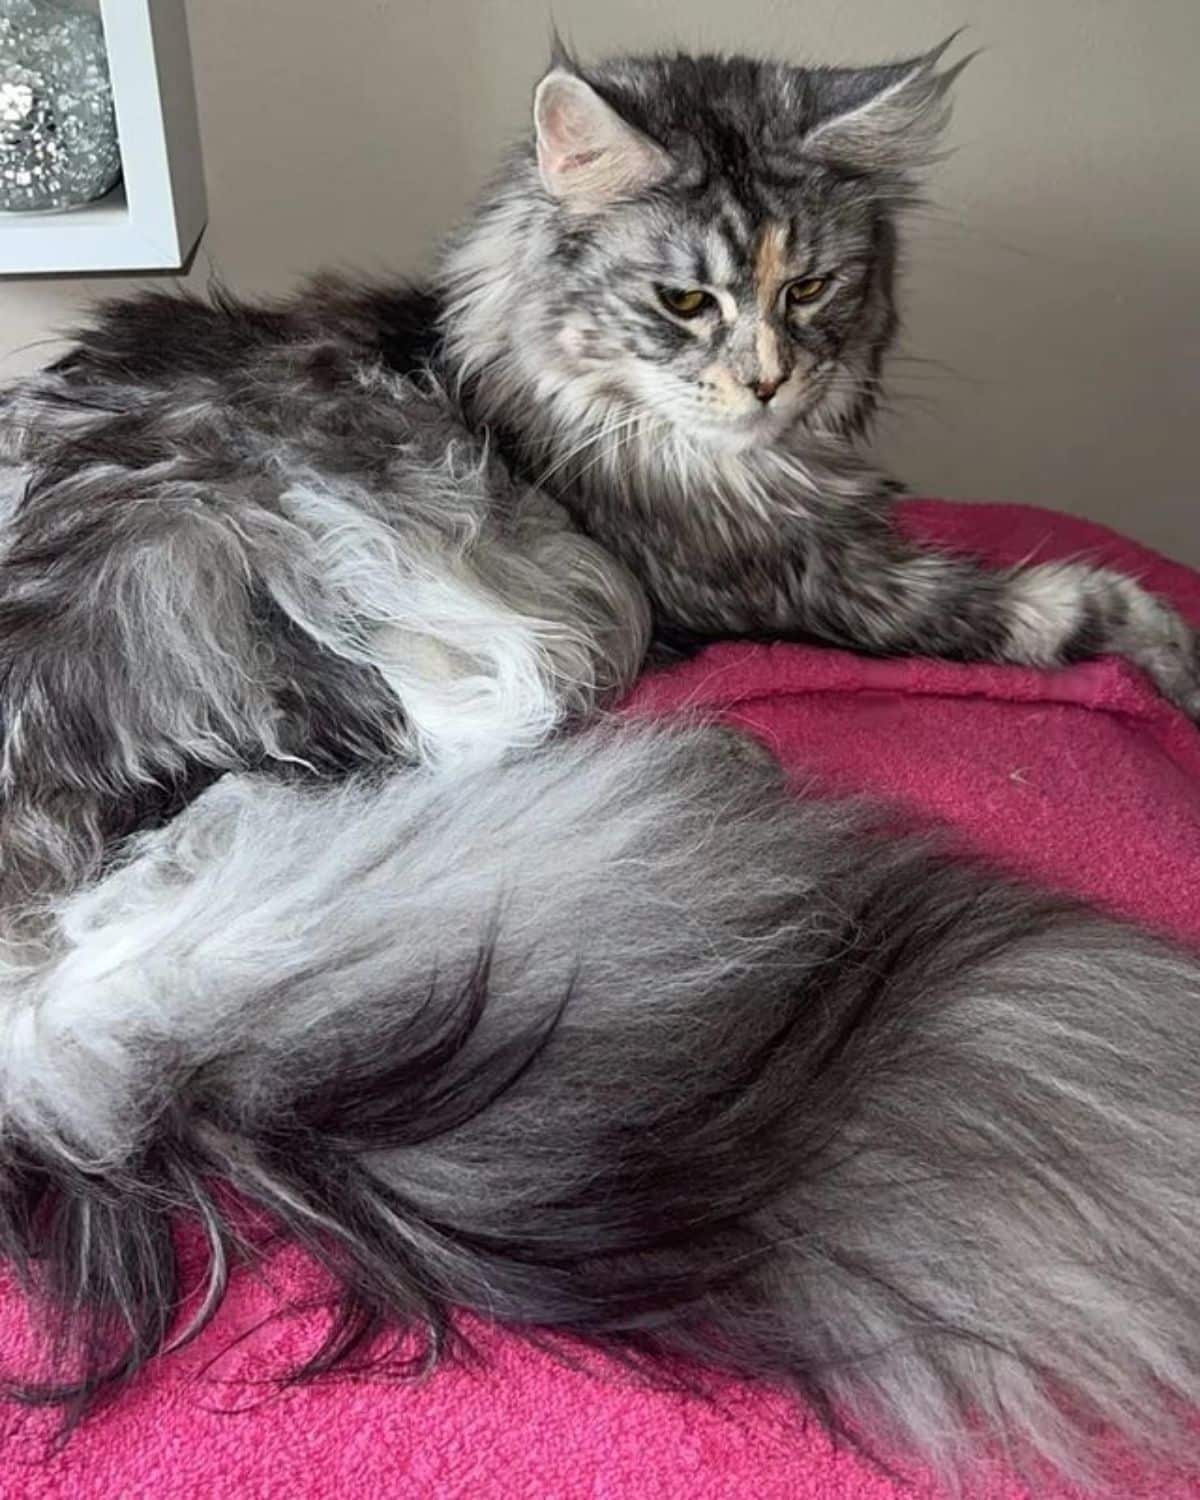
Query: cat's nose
x,y
765,389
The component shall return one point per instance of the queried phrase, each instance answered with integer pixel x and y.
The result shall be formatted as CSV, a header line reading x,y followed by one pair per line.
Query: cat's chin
x,y
734,439
741,435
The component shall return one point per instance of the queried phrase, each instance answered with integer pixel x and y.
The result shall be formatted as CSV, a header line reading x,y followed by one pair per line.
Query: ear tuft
x,y
562,59
587,154
884,121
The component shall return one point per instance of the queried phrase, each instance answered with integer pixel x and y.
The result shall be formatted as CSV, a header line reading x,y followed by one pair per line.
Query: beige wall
x,y
1056,288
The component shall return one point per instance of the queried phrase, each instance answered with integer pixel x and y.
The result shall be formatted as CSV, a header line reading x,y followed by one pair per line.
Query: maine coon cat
x,y
610,1037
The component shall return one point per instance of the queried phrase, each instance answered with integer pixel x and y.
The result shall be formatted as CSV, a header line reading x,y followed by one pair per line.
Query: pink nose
x,y
765,389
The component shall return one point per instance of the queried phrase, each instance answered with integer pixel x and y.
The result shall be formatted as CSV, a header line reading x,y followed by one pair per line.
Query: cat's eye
x,y
807,289
684,302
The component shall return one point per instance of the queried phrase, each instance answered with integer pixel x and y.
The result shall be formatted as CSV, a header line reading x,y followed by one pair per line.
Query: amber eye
x,y
808,289
684,302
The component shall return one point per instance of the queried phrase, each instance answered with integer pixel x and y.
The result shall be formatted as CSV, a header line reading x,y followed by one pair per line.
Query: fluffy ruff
x,y
625,1043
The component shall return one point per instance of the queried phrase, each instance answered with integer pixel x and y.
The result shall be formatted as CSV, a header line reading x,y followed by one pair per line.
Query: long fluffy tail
x,y
625,1043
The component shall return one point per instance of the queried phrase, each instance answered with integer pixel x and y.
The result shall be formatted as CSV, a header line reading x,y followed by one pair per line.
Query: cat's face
x,y
733,320
707,242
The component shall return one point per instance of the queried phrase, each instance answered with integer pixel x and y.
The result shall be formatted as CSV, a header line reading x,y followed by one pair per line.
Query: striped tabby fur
x,y
608,1035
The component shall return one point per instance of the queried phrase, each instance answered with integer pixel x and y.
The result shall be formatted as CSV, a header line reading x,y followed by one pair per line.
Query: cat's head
x,y
709,241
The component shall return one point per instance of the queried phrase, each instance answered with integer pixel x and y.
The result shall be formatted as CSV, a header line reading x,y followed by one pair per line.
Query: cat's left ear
x,y
587,154
885,121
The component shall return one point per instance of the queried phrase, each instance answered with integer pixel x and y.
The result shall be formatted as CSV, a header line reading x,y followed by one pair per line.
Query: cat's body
x,y
291,488
613,1037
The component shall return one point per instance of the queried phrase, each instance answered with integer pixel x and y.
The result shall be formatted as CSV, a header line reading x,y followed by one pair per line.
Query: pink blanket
x,y
1082,778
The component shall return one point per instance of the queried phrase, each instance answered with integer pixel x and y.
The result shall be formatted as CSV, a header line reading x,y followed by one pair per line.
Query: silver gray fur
x,y
612,1038
624,1041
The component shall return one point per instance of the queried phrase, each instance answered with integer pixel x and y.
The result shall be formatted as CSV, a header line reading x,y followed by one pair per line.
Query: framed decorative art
x,y
152,219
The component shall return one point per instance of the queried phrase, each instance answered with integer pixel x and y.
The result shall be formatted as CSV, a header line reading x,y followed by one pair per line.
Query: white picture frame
x,y
153,219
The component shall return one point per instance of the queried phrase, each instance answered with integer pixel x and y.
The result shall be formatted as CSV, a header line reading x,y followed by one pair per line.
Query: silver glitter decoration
x,y
58,134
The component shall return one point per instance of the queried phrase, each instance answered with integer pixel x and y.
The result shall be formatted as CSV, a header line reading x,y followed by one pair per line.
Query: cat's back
x,y
162,338
219,379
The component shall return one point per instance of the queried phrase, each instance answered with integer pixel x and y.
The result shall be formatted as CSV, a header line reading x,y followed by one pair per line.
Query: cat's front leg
x,y
895,599
865,588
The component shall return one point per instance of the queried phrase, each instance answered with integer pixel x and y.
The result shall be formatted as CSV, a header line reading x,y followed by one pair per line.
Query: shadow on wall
x,y
333,137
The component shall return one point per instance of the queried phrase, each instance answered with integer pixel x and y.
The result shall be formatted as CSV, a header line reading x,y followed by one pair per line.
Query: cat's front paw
x,y
1151,633
1173,665
1191,699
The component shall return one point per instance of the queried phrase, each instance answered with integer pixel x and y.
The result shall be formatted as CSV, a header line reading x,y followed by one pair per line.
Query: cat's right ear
x,y
885,121
587,154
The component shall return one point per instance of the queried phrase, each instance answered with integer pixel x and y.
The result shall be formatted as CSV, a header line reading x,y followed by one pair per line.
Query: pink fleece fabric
x,y
1082,778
